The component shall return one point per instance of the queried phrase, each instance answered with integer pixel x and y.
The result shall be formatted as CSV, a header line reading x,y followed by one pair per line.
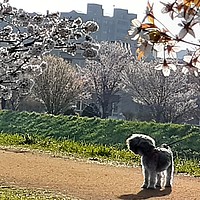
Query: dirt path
x,y
87,180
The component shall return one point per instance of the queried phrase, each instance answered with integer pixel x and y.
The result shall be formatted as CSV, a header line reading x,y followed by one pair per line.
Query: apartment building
x,y
112,28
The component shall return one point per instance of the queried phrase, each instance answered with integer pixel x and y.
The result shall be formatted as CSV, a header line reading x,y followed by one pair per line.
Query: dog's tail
x,y
166,146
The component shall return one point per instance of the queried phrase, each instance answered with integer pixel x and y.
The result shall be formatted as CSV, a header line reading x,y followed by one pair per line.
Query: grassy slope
x,y
98,131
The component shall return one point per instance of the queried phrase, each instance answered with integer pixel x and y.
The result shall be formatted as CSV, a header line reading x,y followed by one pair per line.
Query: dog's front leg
x,y
146,178
153,178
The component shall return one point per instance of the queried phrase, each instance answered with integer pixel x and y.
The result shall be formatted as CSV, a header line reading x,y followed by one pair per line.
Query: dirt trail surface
x,y
86,180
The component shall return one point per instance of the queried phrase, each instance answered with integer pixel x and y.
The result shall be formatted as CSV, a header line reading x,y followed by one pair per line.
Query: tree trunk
x,y
3,103
105,111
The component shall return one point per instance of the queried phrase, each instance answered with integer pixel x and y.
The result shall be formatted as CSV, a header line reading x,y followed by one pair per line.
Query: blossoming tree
x,y
168,99
25,37
104,73
59,86
151,33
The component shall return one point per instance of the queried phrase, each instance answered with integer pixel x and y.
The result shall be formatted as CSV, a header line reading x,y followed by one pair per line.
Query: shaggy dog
x,y
157,162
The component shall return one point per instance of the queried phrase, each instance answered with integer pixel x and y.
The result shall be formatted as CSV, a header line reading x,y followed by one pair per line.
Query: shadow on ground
x,y
146,194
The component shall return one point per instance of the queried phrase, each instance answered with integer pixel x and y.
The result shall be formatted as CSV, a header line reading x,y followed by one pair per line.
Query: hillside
x,y
100,131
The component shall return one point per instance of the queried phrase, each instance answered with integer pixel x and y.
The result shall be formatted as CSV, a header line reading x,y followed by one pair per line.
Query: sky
x,y
133,6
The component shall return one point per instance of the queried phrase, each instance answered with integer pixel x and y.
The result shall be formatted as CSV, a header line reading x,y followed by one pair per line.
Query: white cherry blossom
x,y
166,67
26,37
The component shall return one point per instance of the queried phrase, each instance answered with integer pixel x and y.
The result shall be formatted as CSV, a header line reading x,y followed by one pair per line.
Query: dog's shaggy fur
x,y
157,162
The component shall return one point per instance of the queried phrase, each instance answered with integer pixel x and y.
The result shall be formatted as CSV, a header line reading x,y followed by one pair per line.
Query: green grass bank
x,y
100,131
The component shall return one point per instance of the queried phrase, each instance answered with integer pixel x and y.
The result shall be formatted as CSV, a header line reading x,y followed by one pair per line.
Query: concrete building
x,y
114,28
111,28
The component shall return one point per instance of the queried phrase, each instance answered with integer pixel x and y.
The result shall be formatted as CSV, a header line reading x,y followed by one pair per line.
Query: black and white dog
x,y
157,162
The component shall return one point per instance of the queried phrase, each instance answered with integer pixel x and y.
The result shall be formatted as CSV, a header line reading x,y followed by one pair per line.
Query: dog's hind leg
x,y
159,179
169,177
146,178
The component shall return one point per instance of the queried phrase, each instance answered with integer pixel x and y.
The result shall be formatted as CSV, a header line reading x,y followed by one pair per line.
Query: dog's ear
x,y
131,143
128,143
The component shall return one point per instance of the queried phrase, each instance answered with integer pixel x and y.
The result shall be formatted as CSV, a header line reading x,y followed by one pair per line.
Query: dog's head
x,y
140,144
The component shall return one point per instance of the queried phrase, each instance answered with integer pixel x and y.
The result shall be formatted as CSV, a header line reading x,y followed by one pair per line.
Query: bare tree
x,y
104,73
59,85
170,99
